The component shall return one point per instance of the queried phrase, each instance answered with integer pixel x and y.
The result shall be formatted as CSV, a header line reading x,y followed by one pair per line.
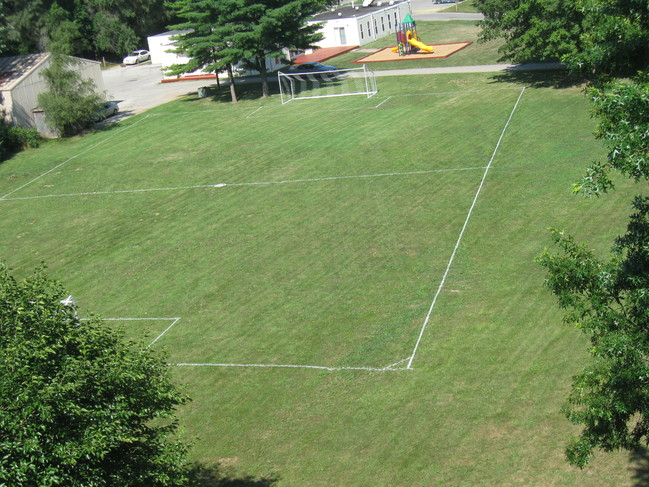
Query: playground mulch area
x,y
323,54
386,54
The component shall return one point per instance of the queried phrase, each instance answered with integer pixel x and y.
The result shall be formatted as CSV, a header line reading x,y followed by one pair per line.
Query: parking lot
x,y
137,88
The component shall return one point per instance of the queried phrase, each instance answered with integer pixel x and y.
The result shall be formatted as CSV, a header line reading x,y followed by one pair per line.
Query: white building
x,y
359,24
21,82
161,44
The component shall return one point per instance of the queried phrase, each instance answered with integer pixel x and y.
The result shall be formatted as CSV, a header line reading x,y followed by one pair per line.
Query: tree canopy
x,y
89,28
608,300
81,406
70,102
607,42
222,33
595,37
533,30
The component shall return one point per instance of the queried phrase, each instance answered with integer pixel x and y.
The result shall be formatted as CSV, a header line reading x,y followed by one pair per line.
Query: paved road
x,y
137,88
427,10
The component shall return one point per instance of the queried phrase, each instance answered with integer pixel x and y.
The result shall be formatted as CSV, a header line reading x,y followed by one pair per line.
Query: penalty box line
x,y
4,197
173,322
464,226
388,368
251,183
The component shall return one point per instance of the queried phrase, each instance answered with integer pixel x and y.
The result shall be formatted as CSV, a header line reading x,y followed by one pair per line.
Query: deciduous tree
x,y
86,27
608,299
80,406
533,30
71,101
595,37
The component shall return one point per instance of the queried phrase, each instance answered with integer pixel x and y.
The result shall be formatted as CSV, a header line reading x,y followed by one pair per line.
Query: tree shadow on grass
x,y
246,91
539,79
639,464
213,476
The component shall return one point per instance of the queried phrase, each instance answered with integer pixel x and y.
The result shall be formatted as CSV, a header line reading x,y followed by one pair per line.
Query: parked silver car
x,y
137,57
108,109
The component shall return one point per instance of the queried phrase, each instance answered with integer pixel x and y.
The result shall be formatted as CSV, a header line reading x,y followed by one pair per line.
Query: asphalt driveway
x,y
138,88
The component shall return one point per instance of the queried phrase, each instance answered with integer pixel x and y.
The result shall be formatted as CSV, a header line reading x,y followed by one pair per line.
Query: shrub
x,y
21,138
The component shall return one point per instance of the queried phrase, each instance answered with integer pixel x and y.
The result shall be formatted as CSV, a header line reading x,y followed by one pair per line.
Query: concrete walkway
x,y
427,10
485,68
432,14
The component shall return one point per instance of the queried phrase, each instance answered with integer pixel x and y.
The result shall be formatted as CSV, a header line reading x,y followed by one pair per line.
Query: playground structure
x,y
408,41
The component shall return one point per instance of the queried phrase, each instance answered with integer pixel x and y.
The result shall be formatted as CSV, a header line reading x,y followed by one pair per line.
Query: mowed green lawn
x,y
317,234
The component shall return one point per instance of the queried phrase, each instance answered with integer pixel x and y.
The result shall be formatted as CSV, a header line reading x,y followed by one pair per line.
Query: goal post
x,y
325,84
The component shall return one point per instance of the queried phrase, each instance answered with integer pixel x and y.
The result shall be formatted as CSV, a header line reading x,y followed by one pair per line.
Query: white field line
x,y
292,114
434,93
290,366
173,322
176,320
377,106
459,239
252,113
73,157
252,183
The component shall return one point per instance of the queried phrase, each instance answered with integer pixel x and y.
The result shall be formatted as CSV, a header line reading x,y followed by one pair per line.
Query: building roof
x,y
14,69
352,12
170,33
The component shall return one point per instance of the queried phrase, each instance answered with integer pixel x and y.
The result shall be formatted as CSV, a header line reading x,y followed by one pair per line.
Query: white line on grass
x,y
459,239
251,114
73,157
173,320
176,320
432,93
377,106
252,183
289,366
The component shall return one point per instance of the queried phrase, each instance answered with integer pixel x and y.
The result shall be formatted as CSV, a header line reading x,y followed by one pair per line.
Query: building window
x,y
382,24
361,27
369,31
389,22
396,23
376,27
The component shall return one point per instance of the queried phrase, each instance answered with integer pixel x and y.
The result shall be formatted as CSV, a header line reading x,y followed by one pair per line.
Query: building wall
x,y
159,45
23,98
363,28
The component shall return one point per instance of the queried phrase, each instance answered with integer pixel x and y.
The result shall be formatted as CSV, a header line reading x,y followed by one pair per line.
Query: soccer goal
x,y
340,82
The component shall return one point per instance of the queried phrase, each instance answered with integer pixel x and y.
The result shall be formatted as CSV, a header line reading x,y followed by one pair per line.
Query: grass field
x,y
314,239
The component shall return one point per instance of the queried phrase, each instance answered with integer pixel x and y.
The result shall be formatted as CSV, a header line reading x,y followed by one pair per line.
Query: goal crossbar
x,y
326,84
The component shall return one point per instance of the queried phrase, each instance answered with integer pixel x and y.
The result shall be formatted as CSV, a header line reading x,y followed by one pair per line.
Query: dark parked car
x,y
311,68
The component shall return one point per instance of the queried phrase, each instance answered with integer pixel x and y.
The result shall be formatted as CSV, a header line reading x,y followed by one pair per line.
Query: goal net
x,y
340,82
